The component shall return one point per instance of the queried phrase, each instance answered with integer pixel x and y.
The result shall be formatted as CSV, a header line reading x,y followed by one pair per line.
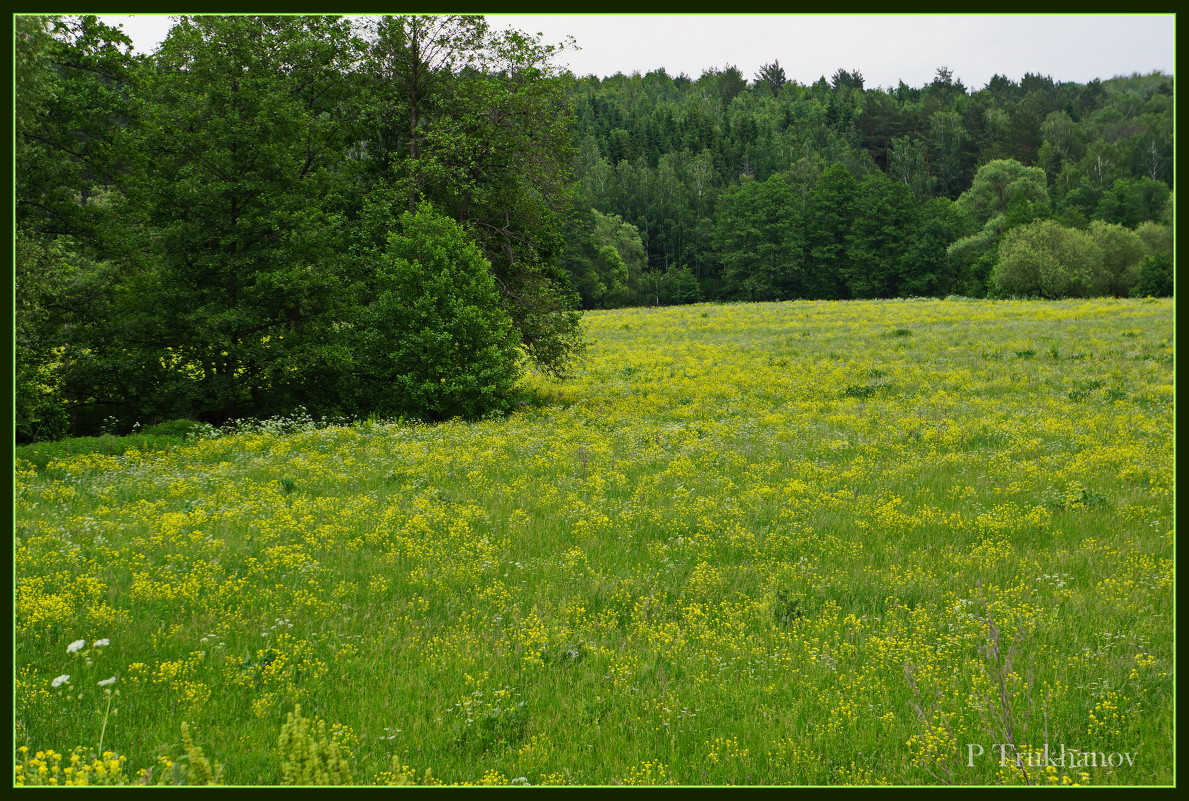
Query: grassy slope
x,y
809,543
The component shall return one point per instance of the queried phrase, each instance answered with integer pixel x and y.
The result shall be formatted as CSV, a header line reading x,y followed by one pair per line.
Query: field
x,y
906,542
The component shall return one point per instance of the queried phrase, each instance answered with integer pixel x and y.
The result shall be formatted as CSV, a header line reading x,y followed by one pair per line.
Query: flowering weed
x,y
707,557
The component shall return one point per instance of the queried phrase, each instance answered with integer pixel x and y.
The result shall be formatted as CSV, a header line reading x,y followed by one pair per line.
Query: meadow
x,y
807,543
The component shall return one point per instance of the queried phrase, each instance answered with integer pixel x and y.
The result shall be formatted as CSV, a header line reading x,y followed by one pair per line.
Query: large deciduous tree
x,y
73,101
760,240
879,245
998,185
1003,195
245,121
827,225
1047,259
74,79
1122,251
476,122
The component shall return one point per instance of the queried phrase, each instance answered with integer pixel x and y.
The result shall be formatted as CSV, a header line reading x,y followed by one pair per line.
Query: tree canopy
x,y
358,216
672,157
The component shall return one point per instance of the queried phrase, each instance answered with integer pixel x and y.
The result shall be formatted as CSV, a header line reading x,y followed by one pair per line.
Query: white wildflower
x,y
58,682
101,643
107,682
77,645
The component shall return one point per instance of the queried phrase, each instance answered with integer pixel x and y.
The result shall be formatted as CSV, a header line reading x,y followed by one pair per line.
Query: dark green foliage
x,y
241,123
33,78
675,286
880,244
476,122
929,271
74,77
73,103
201,230
174,428
40,272
433,342
847,80
1155,277
772,76
951,156
759,238
827,228
1045,149
605,260
1131,201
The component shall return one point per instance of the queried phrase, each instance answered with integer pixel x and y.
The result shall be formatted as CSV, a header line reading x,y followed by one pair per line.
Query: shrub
x,y
434,342
1047,259
1122,250
176,428
1155,277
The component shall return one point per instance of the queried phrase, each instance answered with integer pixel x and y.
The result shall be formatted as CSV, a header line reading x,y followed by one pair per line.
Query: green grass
x,y
160,437
746,544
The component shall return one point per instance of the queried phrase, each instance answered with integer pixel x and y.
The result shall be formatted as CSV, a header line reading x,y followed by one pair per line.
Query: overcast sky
x,y
885,49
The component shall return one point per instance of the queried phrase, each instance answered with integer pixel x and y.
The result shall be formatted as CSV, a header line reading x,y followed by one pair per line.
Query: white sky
x,y
885,49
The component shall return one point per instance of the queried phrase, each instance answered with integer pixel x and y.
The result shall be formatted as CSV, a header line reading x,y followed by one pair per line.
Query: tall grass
x,y
797,543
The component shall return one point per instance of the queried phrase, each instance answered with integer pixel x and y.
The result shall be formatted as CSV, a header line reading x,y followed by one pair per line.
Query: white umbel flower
x,y
58,682
77,645
107,682
101,643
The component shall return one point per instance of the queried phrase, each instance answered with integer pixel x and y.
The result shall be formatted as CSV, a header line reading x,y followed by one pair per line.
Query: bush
x,y
176,428
673,287
434,342
1157,238
1046,259
1155,277
1122,249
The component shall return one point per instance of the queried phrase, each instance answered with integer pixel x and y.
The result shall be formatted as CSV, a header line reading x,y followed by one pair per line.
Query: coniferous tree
x,y
772,75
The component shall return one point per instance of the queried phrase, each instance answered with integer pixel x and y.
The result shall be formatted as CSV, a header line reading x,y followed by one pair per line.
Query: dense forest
x,y
395,216
725,188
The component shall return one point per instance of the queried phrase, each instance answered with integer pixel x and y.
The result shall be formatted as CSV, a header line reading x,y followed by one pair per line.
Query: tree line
x,y
356,216
722,188
398,215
